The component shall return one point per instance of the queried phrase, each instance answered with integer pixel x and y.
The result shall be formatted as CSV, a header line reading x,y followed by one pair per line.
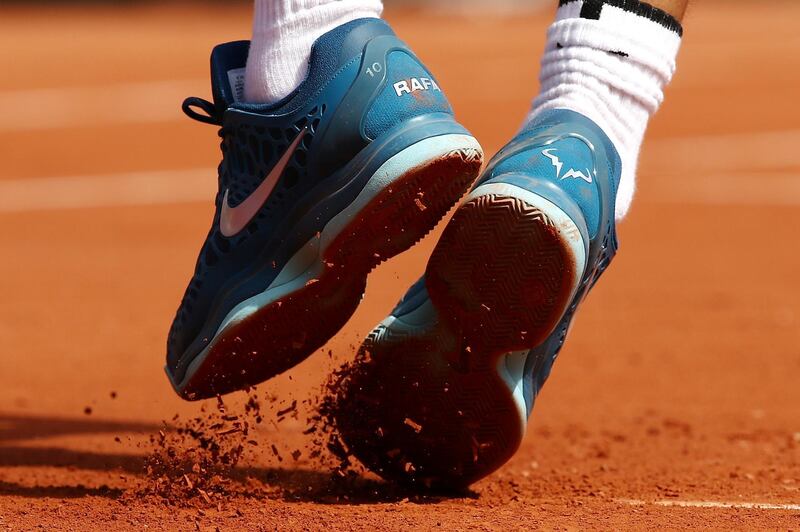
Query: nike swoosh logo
x,y
233,219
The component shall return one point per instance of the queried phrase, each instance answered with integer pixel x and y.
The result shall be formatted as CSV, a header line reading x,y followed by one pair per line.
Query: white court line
x,y
737,152
200,185
686,175
756,188
159,101
714,504
124,103
137,188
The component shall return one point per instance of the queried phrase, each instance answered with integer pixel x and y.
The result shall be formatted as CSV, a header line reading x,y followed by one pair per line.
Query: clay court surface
x,y
675,403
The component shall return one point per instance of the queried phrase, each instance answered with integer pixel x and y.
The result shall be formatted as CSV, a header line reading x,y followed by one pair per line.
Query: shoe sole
x,y
320,287
437,399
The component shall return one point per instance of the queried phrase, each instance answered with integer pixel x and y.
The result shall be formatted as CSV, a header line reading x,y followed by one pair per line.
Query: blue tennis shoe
x,y
442,389
354,167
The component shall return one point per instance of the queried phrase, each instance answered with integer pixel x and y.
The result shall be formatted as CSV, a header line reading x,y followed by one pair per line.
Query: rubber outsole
x,y
286,331
501,274
434,399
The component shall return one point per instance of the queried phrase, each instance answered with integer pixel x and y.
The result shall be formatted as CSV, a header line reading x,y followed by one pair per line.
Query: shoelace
x,y
211,116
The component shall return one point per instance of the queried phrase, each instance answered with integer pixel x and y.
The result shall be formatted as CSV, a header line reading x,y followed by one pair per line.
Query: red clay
x,y
678,382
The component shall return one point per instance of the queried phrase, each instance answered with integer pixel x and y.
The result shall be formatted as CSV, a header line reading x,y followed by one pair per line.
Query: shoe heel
x,y
403,211
506,268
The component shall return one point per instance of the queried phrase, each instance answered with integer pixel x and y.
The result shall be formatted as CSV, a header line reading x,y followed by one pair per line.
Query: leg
x,y
676,8
283,33
443,388
610,64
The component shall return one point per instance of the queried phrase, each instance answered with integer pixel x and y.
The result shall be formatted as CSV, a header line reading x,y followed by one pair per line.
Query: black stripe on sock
x,y
592,8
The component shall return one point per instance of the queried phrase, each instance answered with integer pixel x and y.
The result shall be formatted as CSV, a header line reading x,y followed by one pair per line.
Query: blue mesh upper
x,y
250,151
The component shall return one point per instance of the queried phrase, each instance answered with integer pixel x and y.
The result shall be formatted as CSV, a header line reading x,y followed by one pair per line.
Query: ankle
x,y
283,33
611,65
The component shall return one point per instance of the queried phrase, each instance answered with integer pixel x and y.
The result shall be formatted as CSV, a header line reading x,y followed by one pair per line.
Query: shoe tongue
x,y
227,73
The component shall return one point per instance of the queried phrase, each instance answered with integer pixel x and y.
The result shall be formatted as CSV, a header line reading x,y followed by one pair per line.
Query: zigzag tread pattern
x,y
502,273
468,155
284,333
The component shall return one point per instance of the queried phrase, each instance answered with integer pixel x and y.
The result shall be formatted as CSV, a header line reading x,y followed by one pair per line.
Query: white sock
x,y
283,32
610,61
